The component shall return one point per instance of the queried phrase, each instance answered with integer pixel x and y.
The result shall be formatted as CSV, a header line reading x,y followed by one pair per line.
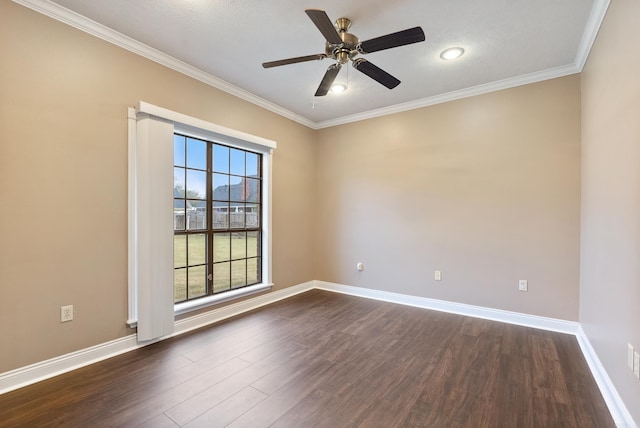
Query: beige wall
x,y
610,264
63,168
485,189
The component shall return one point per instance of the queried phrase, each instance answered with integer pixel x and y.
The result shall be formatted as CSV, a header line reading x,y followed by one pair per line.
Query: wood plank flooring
x,y
323,359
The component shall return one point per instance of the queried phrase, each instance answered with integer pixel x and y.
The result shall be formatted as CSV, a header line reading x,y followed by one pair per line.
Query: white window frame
x,y
151,128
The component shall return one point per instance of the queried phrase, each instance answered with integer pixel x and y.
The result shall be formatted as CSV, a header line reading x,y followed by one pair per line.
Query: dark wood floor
x,y
329,360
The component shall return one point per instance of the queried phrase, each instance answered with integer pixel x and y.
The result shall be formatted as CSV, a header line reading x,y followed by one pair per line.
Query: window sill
x,y
205,302
194,305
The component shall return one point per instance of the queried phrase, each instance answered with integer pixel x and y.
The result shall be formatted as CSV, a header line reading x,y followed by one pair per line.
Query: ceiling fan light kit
x,y
338,88
451,53
343,47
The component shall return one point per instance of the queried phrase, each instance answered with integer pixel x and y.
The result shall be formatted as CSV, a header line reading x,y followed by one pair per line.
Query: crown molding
x,y
89,26
598,12
73,19
525,79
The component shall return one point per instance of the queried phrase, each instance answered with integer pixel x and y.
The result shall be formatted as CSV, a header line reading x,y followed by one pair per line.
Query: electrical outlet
x,y
636,364
360,266
437,275
630,356
523,285
66,313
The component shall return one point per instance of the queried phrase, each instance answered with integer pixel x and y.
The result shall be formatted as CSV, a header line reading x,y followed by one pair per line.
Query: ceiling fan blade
x,y
376,73
327,80
401,38
324,24
293,60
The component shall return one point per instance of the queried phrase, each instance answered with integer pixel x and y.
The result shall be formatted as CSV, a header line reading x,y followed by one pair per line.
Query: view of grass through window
x,y
217,218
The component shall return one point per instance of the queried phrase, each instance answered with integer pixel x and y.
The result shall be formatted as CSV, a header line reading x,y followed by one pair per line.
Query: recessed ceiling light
x,y
451,53
338,88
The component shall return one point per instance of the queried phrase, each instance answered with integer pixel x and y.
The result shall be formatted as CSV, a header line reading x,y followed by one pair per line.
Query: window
x,y
217,218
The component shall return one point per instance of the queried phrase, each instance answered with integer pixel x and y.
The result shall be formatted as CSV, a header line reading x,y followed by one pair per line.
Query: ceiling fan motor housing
x,y
346,50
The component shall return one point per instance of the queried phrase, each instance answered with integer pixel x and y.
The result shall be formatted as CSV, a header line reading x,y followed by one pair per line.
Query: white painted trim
x,y
526,79
216,299
82,23
37,372
544,323
598,12
132,231
194,124
618,410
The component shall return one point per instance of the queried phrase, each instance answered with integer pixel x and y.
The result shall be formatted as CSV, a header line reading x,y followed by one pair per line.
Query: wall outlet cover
x,y
66,313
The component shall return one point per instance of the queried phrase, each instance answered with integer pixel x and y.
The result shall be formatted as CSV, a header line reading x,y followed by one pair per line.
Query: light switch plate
x,y
636,364
630,356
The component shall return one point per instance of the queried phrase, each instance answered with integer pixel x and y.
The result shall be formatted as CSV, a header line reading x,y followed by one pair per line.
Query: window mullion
x,y
209,205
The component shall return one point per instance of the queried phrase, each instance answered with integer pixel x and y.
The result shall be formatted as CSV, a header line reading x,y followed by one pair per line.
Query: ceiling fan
x,y
343,46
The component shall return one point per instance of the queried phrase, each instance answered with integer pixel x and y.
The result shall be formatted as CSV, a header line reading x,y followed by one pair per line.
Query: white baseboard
x,y
37,372
33,373
526,320
618,410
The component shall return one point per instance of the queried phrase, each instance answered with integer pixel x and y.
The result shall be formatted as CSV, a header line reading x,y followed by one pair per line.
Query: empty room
x,y
337,214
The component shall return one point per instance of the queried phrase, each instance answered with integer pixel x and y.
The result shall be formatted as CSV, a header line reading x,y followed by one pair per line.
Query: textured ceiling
x,y
507,42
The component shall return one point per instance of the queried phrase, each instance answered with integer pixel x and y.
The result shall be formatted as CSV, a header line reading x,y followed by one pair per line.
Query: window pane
x,y
220,215
254,275
221,247
236,191
236,216
252,190
178,182
220,158
179,285
178,150
252,164
197,281
178,214
220,187
238,245
196,184
221,277
237,162
197,249
179,250
196,154
196,215
238,273
253,244
253,215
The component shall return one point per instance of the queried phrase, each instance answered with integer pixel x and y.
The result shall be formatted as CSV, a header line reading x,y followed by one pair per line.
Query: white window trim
x,y
140,224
